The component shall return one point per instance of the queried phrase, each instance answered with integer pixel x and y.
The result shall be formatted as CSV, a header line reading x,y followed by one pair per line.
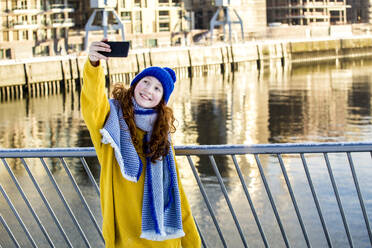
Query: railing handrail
x,y
281,148
189,151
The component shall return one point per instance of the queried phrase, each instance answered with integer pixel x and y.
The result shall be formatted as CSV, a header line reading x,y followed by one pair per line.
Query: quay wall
x,y
55,74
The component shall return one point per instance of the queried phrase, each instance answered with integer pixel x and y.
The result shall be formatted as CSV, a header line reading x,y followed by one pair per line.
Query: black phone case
x,y
118,49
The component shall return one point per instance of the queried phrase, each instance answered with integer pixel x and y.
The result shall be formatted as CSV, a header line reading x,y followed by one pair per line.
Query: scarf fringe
x,y
107,139
151,235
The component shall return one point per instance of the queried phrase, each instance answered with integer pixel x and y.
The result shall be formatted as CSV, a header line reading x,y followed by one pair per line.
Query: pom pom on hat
x,y
165,75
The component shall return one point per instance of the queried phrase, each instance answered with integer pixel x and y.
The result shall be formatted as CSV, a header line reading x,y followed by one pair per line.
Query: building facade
x,y
31,28
147,23
360,11
307,12
252,13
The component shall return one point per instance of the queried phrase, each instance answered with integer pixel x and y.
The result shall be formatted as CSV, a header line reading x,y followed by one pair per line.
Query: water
x,y
312,103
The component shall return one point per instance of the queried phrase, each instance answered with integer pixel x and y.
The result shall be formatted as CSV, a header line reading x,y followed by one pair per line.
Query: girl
x,y
142,199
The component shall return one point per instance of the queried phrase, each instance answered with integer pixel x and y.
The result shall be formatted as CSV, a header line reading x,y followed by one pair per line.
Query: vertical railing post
x,y
16,214
284,171
325,230
206,200
277,150
76,187
46,203
87,170
267,188
360,196
334,185
224,191
201,235
250,201
11,235
20,190
69,211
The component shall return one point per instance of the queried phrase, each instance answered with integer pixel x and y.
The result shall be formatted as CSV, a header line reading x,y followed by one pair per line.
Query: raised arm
x,y
94,101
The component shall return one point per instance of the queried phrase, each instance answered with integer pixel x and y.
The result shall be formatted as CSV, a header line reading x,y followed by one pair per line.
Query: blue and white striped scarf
x,y
161,208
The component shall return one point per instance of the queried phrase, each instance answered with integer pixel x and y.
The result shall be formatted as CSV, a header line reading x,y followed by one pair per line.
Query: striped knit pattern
x,y
161,209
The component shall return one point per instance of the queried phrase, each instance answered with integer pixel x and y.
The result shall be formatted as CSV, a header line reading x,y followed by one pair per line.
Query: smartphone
x,y
118,49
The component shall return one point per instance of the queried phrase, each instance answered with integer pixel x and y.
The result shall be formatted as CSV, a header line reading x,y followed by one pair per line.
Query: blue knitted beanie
x,y
165,75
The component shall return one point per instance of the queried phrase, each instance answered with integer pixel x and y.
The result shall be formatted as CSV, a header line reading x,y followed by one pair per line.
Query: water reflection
x,y
323,102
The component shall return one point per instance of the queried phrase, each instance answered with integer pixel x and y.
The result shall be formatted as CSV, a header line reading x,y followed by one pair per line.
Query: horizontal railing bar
x,y
284,148
48,152
274,149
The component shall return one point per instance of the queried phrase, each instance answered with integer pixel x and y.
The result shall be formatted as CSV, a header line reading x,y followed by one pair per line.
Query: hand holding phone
x,y
118,49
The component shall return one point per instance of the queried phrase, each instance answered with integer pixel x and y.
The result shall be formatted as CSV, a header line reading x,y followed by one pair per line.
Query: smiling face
x,y
148,92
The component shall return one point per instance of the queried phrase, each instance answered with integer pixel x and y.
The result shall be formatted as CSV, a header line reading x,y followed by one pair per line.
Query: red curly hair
x,y
159,144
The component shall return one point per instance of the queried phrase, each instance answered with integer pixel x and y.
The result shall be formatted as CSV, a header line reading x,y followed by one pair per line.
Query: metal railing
x,y
25,234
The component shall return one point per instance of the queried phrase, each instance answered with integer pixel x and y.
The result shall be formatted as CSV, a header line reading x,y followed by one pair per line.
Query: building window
x,y
3,7
24,4
33,4
199,19
75,47
34,19
42,34
152,42
176,2
137,3
125,16
25,35
138,28
164,15
5,36
137,16
62,33
164,2
210,14
163,27
5,53
15,35
138,21
40,51
54,33
122,3
19,4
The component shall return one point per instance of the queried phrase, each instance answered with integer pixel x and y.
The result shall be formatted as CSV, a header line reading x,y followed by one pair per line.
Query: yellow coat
x,y
121,200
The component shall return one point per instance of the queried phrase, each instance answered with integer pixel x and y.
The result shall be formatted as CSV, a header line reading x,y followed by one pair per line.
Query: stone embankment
x,y
51,75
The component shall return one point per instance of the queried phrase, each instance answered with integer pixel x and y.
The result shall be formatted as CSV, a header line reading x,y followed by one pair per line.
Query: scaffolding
x,y
307,12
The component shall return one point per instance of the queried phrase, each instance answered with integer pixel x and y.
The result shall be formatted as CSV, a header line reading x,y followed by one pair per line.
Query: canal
x,y
325,102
